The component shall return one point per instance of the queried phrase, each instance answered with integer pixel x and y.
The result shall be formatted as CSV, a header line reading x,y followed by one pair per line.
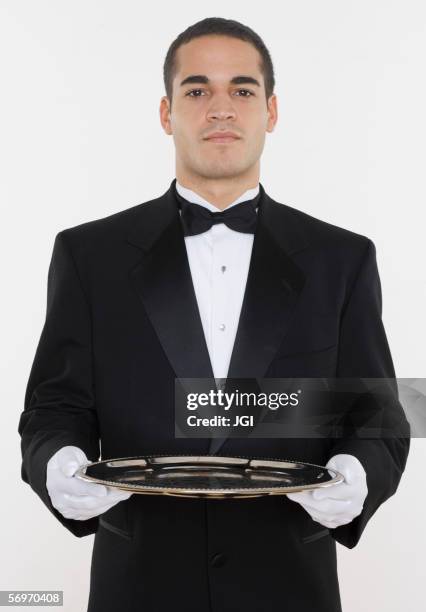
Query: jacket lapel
x,y
273,287
163,281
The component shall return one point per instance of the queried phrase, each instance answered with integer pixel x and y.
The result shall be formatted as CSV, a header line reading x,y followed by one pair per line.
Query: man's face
x,y
218,87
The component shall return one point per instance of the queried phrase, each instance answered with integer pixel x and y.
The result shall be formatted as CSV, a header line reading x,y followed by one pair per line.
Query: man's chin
x,y
221,171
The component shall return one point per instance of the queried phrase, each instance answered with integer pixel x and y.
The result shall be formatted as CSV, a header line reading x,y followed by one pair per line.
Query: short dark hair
x,y
224,27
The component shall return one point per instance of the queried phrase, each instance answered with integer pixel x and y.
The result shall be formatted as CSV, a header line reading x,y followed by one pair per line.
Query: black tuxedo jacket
x,y
122,323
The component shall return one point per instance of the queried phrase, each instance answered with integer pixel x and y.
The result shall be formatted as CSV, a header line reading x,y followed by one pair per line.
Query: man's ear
x,y
272,113
165,112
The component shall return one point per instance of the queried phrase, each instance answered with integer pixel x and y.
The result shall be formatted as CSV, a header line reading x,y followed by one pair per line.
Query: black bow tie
x,y
197,219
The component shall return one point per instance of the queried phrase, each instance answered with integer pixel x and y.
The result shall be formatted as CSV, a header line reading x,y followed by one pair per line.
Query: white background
x,y
80,139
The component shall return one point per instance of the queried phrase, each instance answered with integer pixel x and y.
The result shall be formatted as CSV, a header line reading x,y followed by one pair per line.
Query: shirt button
x,y
223,268
222,326
218,560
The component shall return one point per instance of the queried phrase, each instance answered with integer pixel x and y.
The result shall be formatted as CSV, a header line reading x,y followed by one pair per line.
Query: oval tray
x,y
208,476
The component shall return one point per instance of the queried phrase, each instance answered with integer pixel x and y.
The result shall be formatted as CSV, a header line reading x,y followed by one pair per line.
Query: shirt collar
x,y
193,197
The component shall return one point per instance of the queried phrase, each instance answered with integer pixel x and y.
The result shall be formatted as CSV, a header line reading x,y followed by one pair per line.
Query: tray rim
x,y
207,493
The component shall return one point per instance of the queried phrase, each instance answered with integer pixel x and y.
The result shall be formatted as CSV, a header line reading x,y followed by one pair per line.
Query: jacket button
x,y
218,560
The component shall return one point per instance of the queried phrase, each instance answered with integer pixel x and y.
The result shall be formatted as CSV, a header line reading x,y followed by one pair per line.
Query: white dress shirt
x,y
219,261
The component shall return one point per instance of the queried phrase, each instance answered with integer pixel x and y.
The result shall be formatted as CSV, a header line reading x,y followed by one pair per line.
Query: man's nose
x,y
222,111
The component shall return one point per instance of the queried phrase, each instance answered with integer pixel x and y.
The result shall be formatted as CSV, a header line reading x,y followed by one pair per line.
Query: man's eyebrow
x,y
237,80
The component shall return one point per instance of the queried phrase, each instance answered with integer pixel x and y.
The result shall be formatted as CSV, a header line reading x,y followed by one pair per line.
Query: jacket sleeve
x,y
59,405
364,352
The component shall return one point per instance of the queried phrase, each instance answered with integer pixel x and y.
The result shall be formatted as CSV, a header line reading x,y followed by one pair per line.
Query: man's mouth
x,y
222,137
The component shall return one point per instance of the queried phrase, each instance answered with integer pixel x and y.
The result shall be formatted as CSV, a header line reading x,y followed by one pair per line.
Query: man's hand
x,y
340,503
74,498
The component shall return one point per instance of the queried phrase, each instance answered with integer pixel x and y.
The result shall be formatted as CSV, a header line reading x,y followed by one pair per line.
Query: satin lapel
x,y
273,288
162,279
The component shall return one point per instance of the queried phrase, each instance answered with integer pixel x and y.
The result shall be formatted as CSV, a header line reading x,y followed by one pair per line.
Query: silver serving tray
x,y
208,476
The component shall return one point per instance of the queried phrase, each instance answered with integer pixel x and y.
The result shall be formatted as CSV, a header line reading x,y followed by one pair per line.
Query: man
x,y
165,290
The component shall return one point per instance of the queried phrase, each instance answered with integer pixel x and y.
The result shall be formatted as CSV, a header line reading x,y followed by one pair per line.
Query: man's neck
x,y
219,193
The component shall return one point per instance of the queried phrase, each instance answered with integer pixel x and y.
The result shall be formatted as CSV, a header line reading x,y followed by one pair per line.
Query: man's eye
x,y
247,91
192,91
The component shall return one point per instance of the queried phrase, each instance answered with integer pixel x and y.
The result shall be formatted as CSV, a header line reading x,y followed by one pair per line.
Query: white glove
x,y
340,503
74,498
